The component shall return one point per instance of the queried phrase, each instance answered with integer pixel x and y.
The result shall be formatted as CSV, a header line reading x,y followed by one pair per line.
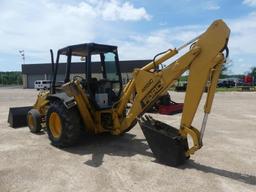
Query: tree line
x,y
11,78
15,77
225,73
253,72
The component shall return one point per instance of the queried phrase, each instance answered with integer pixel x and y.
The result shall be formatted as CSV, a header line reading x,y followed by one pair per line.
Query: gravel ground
x,y
227,162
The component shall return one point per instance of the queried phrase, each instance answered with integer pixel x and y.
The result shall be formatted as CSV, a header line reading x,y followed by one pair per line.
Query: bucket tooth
x,y
18,116
167,145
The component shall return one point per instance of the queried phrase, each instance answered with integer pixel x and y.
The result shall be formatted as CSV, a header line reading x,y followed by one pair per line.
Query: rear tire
x,y
34,121
63,125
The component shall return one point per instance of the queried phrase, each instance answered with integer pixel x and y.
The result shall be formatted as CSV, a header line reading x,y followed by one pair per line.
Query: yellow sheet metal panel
x,y
74,89
211,43
214,76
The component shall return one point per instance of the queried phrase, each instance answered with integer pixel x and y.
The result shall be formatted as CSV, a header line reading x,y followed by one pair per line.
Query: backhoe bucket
x,y
18,116
164,141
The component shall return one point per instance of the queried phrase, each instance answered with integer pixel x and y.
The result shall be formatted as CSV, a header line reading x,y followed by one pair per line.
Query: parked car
x,y
42,84
227,83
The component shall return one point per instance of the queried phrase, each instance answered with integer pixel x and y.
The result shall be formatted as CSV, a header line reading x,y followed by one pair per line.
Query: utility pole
x,y
22,53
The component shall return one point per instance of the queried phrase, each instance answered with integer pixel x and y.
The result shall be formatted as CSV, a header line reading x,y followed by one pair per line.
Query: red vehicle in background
x,y
248,83
248,80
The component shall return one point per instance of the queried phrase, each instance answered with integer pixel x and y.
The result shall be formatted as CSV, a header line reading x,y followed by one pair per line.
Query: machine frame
x,y
203,60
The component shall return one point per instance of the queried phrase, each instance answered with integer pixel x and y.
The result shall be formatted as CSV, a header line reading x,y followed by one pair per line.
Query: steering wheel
x,y
82,80
78,77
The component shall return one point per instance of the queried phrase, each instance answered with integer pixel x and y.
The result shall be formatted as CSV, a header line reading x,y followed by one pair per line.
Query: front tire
x,y
34,121
63,125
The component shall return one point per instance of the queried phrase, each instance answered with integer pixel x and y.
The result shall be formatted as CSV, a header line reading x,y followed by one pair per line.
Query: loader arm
x,y
203,61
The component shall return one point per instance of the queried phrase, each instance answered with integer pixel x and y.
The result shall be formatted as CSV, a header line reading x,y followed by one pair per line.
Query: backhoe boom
x,y
203,61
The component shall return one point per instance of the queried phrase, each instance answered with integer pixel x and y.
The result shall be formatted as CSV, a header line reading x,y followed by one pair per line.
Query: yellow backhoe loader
x,y
98,103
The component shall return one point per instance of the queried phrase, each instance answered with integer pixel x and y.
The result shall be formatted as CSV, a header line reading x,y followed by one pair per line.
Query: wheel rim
x,y
30,121
55,124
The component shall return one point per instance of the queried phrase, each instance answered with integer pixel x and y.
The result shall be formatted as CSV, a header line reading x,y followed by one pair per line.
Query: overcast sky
x,y
140,28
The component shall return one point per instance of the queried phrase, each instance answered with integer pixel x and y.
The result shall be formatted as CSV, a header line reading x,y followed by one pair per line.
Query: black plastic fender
x,y
69,102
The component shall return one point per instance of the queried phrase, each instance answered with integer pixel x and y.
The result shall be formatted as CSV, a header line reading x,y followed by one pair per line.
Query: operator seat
x,y
93,86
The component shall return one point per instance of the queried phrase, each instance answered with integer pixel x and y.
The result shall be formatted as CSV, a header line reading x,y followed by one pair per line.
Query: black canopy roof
x,y
83,49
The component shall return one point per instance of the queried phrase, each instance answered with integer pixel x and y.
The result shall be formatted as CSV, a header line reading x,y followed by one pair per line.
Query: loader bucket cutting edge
x,y
164,141
18,116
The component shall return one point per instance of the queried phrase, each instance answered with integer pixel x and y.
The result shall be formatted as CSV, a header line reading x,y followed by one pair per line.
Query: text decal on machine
x,y
151,94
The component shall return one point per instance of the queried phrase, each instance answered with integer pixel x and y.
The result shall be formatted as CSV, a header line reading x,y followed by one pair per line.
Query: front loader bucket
x,y
18,116
164,141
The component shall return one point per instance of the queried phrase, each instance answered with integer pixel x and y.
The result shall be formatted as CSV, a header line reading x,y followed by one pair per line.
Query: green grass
x,y
222,89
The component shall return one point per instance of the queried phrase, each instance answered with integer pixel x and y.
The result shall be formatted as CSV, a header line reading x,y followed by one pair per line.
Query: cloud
x,y
146,46
243,34
37,26
111,10
250,3
114,10
241,43
210,5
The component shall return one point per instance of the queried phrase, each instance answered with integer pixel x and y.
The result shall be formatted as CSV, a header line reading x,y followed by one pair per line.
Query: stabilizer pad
x,y
18,116
164,141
